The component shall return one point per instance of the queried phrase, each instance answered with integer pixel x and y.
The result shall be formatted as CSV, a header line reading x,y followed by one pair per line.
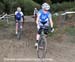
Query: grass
x,y
4,24
1,24
70,30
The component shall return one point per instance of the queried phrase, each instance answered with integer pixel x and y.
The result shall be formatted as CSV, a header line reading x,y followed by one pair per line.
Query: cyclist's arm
x,y
37,19
34,13
23,17
15,15
51,22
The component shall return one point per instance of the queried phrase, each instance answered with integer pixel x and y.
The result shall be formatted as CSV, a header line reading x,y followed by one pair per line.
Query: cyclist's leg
x,y
37,37
16,26
46,30
38,33
21,24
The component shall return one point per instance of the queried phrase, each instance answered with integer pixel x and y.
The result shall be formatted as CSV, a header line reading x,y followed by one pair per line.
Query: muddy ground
x,y
59,49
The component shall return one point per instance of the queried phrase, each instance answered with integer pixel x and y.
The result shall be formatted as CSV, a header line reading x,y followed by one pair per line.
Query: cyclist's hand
x,y
52,30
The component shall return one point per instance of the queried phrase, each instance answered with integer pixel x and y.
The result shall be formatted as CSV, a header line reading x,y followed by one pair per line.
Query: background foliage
x,y
9,6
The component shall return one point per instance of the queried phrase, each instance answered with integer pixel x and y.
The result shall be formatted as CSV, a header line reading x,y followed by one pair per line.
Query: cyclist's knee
x,y
16,23
39,31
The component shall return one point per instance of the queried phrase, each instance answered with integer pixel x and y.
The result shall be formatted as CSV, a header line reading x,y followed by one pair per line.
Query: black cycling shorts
x,y
46,30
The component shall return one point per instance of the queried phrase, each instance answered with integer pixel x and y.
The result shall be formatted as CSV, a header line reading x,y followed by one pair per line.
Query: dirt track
x,y
60,49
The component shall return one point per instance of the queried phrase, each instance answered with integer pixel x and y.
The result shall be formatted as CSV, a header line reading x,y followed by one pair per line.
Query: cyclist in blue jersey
x,y
44,17
19,16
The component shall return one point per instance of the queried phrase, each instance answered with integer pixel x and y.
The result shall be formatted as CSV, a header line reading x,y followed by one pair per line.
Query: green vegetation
x,y
9,6
1,24
69,6
70,30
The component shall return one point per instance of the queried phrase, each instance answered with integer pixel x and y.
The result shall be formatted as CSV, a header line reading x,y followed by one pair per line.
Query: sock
x,y
16,32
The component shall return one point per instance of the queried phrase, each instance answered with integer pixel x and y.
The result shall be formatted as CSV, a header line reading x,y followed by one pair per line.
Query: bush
x,y
63,6
9,6
26,5
1,8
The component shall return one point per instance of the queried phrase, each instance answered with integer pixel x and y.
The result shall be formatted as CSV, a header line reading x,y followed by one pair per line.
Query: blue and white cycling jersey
x,y
44,17
19,15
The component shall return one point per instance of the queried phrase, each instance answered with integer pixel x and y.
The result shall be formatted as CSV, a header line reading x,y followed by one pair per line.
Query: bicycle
x,y
42,45
19,30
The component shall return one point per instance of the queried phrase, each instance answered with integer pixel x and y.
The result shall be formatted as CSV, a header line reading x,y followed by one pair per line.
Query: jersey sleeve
x,y
15,12
22,14
50,16
39,13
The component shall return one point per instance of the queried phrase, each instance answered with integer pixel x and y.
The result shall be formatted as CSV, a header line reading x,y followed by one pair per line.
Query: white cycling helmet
x,y
45,6
35,8
18,9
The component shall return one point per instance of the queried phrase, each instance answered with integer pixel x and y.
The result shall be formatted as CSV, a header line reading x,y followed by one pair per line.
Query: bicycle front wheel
x,y
42,48
19,35
19,31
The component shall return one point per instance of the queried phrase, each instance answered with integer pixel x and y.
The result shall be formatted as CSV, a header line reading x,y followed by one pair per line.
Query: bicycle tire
x,y
19,31
41,53
19,35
